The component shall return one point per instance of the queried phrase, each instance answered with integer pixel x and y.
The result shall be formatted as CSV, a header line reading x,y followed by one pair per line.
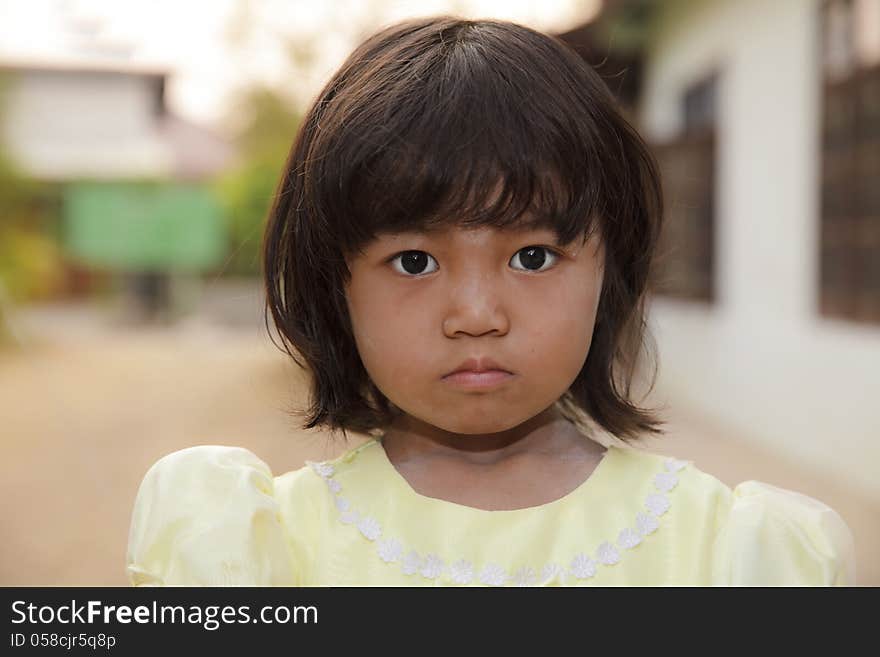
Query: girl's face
x,y
424,304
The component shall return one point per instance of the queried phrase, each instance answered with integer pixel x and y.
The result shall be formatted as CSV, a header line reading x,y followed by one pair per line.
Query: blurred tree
x,y
246,192
264,120
31,262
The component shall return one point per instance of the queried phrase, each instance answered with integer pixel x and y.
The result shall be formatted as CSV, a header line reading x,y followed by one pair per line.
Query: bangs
x,y
466,137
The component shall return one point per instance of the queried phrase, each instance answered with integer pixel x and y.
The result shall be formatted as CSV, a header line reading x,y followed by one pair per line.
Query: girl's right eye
x,y
413,263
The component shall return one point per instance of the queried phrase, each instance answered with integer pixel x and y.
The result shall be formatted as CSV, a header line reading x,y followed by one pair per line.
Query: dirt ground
x,y
88,406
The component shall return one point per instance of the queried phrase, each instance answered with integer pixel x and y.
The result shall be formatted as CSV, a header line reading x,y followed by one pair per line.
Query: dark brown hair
x,y
442,121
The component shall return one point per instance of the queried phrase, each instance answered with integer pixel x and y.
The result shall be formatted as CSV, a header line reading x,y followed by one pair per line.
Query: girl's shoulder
x,y
769,535
206,471
634,467
759,534
208,515
696,487
217,515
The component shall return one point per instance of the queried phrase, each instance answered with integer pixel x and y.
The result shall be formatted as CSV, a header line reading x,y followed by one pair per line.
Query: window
x,y
849,256
685,264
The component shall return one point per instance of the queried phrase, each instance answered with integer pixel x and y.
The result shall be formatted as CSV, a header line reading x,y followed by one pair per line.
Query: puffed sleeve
x,y
207,516
776,537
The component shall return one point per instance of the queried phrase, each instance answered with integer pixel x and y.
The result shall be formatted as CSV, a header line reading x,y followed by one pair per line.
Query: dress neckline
x,y
377,471
399,484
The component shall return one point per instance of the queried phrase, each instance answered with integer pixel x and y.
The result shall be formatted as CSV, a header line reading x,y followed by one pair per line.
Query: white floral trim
x,y
581,567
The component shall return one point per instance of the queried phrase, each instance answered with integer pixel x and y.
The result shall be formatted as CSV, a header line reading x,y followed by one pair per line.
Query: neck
x,y
410,439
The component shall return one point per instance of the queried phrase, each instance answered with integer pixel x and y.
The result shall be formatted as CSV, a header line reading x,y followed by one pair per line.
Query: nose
x,y
476,308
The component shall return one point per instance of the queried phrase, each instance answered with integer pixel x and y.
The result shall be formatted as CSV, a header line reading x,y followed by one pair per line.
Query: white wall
x,y
69,124
761,359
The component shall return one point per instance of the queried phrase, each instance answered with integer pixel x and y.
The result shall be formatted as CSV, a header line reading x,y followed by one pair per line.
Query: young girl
x,y
459,253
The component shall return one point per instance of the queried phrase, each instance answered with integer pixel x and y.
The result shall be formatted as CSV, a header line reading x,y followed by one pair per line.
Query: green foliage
x,y
247,191
31,263
627,24
271,126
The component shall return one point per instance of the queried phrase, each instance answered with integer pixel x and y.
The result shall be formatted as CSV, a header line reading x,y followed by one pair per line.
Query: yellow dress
x,y
215,515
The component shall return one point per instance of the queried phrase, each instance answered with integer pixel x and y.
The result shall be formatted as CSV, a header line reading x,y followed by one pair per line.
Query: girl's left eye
x,y
533,258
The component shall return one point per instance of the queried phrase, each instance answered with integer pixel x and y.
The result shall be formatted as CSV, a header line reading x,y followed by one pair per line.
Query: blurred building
x,y
130,176
765,118
69,123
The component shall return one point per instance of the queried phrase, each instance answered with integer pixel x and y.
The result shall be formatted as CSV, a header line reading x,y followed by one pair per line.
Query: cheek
x,y
387,339
560,323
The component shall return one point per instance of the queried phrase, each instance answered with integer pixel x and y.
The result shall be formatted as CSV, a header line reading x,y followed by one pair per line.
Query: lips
x,y
479,365
470,380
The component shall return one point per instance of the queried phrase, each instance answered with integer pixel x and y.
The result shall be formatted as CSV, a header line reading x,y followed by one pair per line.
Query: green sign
x,y
144,227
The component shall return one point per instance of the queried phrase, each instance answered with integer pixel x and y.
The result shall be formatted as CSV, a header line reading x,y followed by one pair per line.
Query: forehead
x,y
472,232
